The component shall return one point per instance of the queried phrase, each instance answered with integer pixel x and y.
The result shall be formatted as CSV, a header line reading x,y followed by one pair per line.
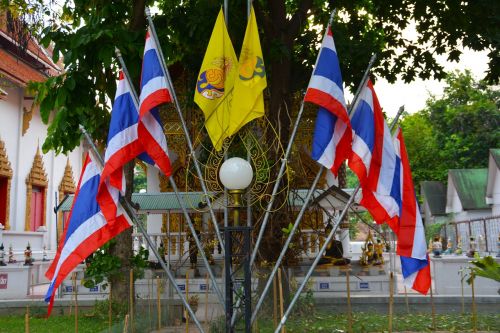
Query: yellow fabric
x,y
248,99
215,82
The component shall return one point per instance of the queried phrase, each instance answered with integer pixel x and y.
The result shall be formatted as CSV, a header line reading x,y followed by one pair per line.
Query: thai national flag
x,y
90,225
123,143
332,134
374,159
412,247
154,92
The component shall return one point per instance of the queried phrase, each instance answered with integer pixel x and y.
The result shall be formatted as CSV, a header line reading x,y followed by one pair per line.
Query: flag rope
x,y
176,192
163,64
130,211
328,239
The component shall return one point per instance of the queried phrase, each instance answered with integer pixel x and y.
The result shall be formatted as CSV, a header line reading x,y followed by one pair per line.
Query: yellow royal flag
x,y
248,98
215,82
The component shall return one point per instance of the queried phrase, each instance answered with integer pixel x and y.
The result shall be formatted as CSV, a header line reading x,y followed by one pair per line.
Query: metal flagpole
x,y
325,244
130,211
284,161
184,127
306,203
176,191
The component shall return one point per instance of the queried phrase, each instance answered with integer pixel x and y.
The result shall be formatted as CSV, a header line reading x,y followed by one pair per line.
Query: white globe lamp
x,y
236,174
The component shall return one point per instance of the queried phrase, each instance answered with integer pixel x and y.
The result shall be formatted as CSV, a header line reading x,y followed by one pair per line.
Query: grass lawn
x,y
364,322
320,322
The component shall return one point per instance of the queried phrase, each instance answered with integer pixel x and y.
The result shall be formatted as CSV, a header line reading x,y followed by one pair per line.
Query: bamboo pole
x,y
474,310
125,324
275,303
283,330
206,299
349,309
391,299
158,302
433,309
186,315
462,285
76,302
406,300
150,294
110,309
131,299
27,320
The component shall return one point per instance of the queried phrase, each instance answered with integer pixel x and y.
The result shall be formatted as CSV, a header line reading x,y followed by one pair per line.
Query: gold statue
x,y
379,253
368,253
334,253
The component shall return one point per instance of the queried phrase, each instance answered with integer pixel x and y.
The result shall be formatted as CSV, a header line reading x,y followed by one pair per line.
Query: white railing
x,y
176,247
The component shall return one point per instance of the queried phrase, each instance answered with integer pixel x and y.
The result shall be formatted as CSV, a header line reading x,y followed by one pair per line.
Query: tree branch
x,y
298,18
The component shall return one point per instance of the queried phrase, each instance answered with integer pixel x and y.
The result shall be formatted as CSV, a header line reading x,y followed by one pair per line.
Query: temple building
x,y
31,182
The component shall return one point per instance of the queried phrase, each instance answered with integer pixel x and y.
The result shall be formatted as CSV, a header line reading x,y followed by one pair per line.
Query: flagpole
x,y
163,64
284,161
130,211
327,241
176,192
305,205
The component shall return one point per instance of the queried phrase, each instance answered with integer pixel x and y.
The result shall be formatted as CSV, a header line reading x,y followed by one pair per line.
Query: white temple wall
x,y
21,150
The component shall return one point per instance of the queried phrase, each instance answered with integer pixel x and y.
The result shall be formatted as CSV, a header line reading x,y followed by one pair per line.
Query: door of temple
x,y
3,200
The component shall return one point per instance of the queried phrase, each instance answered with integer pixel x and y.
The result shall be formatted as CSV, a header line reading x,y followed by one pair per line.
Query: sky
x,y
413,95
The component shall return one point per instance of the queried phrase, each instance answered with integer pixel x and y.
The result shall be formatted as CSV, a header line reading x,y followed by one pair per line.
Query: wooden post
x,y
406,300
125,324
391,299
158,301
433,309
474,313
131,300
110,309
283,330
349,309
186,313
150,292
275,302
462,284
76,302
27,320
206,299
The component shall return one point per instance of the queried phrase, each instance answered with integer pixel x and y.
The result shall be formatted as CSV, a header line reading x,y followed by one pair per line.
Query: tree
x,y
86,33
454,131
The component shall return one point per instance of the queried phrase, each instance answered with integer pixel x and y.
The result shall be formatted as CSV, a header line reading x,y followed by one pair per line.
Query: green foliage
x,y
486,267
454,131
140,179
433,229
103,266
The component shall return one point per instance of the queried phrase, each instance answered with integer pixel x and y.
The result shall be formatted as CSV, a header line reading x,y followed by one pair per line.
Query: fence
x,y
485,231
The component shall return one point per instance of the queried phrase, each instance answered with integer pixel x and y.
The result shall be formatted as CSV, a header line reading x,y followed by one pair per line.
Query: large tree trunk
x,y
123,249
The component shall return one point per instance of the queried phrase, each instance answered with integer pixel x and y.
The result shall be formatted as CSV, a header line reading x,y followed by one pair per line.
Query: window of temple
x,y
5,180
37,205
36,195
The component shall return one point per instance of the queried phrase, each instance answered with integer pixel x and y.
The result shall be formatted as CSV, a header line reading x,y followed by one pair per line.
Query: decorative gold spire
x,y
5,172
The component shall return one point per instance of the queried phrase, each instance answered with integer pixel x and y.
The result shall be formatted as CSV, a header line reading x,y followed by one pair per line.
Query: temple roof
x,y
470,185
434,193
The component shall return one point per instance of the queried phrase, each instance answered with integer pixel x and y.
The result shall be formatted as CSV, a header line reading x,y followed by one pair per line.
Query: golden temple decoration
x,y
27,116
5,172
36,177
67,186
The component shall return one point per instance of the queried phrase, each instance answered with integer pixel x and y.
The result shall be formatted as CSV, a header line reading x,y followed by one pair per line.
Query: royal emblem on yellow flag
x,y
215,82
248,98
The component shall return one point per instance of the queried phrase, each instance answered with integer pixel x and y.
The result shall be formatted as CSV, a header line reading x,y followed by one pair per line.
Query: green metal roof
x,y
495,153
156,201
165,201
435,194
471,187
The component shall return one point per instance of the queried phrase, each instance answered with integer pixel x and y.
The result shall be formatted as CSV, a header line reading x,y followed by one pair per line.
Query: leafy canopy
x,y
454,131
85,33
